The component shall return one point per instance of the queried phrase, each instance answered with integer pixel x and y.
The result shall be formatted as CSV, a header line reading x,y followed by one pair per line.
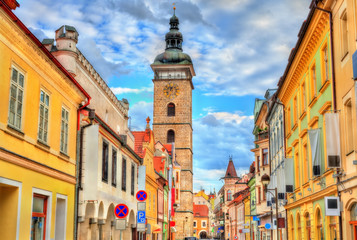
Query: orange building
x,y
200,221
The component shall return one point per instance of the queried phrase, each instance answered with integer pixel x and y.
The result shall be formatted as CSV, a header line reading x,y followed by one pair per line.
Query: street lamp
x,y
266,180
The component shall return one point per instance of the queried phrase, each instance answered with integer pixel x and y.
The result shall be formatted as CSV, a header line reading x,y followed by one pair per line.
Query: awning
x,y
156,228
173,229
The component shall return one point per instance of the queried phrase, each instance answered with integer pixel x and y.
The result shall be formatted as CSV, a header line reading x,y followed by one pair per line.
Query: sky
x,y
239,49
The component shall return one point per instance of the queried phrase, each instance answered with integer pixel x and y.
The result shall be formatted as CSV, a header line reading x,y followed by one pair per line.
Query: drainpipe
x,y
334,95
79,146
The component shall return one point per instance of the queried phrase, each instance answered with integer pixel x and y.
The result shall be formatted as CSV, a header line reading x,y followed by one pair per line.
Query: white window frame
x,y
49,210
63,197
19,127
205,222
13,183
65,140
41,138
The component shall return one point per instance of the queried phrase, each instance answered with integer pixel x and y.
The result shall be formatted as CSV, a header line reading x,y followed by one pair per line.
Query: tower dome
x,y
173,52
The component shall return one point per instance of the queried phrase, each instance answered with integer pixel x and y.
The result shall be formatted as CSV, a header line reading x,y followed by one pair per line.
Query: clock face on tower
x,y
171,90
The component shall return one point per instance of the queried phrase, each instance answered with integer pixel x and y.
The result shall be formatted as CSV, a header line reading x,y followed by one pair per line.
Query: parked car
x,y
190,238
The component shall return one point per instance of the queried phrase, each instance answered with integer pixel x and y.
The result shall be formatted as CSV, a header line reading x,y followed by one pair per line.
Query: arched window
x,y
292,235
171,109
170,136
353,220
307,227
229,195
298,226
319,227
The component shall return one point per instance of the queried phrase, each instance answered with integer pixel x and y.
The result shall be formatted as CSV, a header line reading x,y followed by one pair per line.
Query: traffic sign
x,y
235,237
121,210
267,226
141,195
141,216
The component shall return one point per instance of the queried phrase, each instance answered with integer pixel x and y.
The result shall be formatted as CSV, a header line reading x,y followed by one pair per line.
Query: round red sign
x,y
121,210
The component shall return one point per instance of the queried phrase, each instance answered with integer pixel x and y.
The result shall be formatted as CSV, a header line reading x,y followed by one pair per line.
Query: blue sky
x,y
239,49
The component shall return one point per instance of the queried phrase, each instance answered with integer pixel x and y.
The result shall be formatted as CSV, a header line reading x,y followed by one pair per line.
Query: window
x,y
348,126
265,156
259,195
194,224
61,213
64,131
171,109
325,64
295,110
333,230
258,163
303,98
177,177
297,170
105,162
229,195
313,82
319,226
114,167
298,226
170,136
288,120
43,116
123,175
177,194
307,226
39,217
204,224
132,179
16,98
306,164
344,34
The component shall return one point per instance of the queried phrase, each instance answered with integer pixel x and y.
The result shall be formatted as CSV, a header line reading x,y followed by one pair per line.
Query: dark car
x,y
190,238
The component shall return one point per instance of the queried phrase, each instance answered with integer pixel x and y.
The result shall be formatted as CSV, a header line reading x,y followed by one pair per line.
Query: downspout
x,y
334,96
78,164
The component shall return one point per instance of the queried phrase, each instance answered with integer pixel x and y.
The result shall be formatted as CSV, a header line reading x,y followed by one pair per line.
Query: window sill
x,y
64,156
114,185
302,115
294,127
105,181
344,56
325,84
43,146
312,102
349,153
14,132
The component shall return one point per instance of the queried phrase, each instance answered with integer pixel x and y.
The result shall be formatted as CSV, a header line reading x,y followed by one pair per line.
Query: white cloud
x,y
121,90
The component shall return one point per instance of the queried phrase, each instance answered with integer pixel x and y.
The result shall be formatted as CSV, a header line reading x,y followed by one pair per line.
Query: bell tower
x,y
172,123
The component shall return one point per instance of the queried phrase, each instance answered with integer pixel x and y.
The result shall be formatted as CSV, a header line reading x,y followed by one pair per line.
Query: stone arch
x,y
88,227
202,234
107,228
350,203
318,216
291,227
298,225
101,210
130,223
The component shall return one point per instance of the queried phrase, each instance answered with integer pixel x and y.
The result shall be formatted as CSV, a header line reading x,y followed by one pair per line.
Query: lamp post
x,y
266,180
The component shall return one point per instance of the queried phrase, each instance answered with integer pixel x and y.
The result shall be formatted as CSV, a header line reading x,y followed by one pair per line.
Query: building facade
x,y
39,102
173,73
306,90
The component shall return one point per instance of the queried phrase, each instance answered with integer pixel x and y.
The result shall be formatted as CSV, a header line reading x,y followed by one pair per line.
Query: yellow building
x,y
306,90
38,136
145,147
247,216
344,14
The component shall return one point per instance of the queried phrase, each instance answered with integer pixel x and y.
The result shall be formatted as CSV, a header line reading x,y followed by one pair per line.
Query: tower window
x,y
171,109
170,136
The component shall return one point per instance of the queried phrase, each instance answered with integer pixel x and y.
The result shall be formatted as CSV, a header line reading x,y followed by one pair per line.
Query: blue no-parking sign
x,y
141,216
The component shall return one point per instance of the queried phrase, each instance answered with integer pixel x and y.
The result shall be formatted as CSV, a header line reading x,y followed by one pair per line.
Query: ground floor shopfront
x,y
36,201
307,219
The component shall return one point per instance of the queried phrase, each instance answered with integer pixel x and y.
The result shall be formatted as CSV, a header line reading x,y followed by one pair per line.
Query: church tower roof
x,y
231,170
173,52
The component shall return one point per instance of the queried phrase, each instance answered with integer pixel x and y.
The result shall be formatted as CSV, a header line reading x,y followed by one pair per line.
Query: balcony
x,y
262,136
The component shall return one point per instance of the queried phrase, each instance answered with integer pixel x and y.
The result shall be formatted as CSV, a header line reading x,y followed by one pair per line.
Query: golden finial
x,y
174,8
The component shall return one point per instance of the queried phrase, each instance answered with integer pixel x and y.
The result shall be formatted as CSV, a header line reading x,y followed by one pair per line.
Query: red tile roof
x,y
168,148
231,170
200,210
139,139
159,164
